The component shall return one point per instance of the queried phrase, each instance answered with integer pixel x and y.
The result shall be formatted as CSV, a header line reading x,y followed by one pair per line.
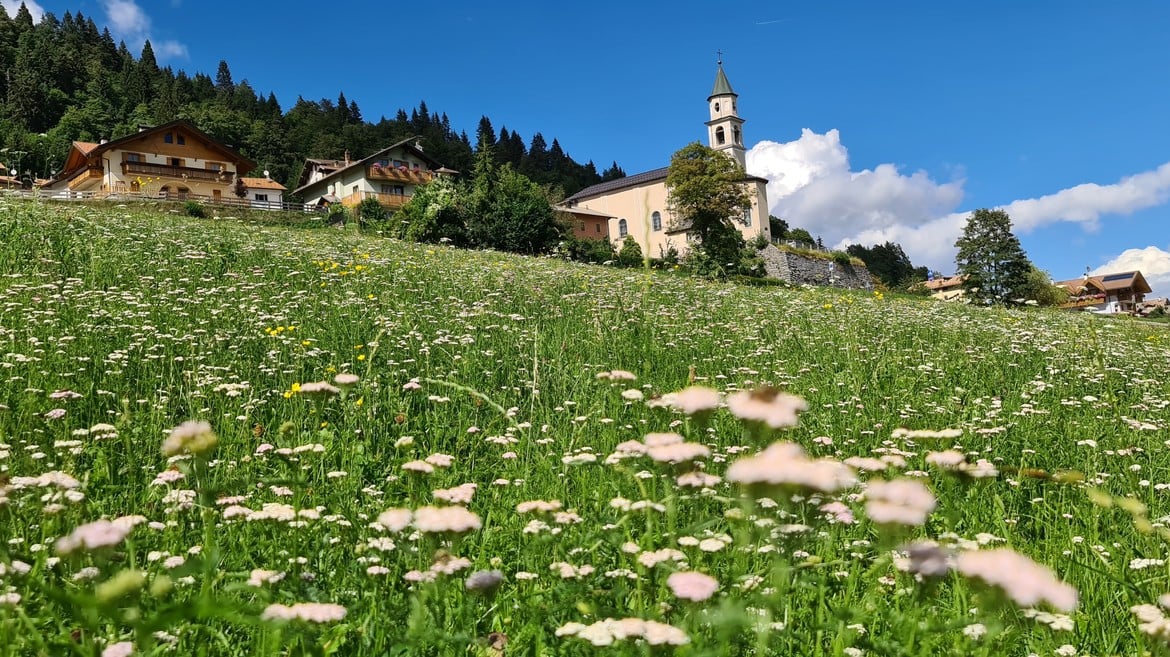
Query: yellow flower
x,y
295,387
359,401
828,306
361,357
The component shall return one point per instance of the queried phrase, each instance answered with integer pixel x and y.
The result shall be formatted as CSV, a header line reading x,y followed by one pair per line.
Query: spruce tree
x,y
991,258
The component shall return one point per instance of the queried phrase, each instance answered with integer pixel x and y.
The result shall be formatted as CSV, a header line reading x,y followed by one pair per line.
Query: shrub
x,y
195,209
630,254
587,250
371,213
842,258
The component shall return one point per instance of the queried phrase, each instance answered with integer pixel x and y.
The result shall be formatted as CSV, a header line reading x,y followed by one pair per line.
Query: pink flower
x,y
898,502
785,464
310,612
692,586
94,535
440,519
695,400
768,406
1023,580
120,649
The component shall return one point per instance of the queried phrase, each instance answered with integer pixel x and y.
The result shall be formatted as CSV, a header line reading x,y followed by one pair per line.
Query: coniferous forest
x,y
64,79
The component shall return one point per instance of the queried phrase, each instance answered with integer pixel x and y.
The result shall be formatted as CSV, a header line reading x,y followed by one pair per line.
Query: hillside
x,y
488,382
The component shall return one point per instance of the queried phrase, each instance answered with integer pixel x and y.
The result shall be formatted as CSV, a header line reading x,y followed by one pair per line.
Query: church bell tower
x,y
725,129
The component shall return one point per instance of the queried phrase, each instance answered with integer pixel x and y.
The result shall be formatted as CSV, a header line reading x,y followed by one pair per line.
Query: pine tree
x,y
991,258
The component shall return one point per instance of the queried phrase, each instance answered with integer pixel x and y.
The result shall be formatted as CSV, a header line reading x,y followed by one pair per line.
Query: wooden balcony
x,y
178,173
398,175
390,201
85,177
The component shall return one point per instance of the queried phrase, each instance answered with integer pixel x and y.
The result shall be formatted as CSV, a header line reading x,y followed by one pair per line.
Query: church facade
x,y
637,205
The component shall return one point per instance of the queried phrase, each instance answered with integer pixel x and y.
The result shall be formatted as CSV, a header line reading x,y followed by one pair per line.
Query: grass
x,y
140,321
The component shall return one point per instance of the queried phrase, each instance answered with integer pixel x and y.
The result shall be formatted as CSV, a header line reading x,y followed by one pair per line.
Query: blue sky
x,y
873,120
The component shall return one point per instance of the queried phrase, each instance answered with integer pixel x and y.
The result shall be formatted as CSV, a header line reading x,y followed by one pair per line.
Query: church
x,y
636,206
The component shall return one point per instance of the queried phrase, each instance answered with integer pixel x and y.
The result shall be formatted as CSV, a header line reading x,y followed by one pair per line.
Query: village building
x,y
176,160
388,176
1121,292
636,206
264,193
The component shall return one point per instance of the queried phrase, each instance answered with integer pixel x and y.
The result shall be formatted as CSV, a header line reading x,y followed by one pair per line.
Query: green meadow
x,y
507,470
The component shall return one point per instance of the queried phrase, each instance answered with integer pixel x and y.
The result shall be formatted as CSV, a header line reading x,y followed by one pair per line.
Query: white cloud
x,y
1153,262
127,18
1086,203
130,22
170,50
812,186
13,6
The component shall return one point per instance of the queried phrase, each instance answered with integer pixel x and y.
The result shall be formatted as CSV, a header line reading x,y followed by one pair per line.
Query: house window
x,y
387,189
747,215
399,164
720,138
176,161
134,157
169,138
214,166
623,228
597,227
399,190
261,197
182,140
656,220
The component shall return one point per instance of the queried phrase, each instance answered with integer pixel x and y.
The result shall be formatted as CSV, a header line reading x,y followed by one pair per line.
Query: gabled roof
x,y
81,151
722,86
636,180
262,183
1108,282
408,144
945,282
584,212
609,186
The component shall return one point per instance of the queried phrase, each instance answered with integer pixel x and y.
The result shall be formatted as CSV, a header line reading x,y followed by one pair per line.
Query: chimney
x,y
347,157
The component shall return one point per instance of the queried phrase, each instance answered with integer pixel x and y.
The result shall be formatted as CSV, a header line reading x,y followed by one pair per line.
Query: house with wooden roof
x,y
947,288
584,223
1120,292
174,160
264,192
388,176
637,205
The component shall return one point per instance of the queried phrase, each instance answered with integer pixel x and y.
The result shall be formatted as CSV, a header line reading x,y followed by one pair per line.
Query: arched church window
x,y
716,106
623,228
738,136
719,136
656,220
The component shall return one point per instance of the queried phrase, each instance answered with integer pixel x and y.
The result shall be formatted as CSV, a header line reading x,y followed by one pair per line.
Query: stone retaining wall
x,y
801,270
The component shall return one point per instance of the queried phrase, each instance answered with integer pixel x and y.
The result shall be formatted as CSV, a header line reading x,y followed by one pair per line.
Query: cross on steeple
x,y
719,55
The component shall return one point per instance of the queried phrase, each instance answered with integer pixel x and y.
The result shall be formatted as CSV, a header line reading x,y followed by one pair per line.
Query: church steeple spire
x,y
725,129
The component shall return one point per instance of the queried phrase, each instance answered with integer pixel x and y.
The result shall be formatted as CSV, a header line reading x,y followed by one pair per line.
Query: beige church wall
x,y
637,204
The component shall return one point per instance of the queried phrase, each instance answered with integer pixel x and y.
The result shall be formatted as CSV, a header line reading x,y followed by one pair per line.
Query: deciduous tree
x,y
706,194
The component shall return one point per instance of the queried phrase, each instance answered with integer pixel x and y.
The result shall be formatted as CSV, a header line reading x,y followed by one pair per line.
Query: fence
x,y
67,195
